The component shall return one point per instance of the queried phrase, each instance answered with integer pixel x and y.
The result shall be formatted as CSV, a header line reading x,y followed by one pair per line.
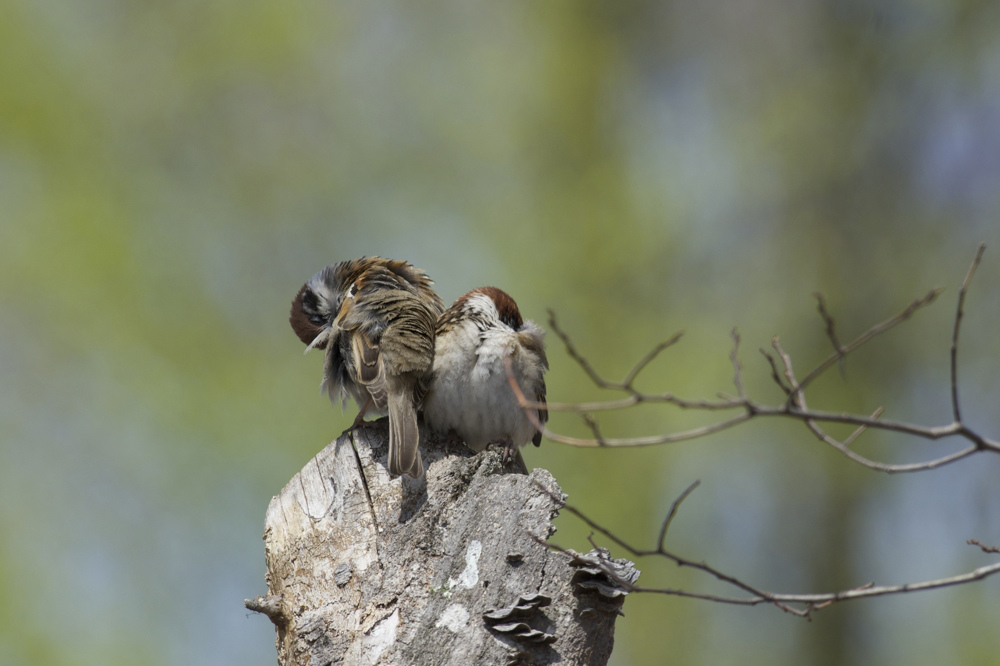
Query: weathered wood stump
x,y
447,569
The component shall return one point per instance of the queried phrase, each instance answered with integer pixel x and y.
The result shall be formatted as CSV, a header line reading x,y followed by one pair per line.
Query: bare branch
x,y
775,375
878,329
985,549
594,428
861,428
796,396
653,353
625,384
632,400
954,334
530,408
673,512
734,357
927,432
884,467
830,328
815,602
794,407
810,602
879,591
637,552
571,350
631,587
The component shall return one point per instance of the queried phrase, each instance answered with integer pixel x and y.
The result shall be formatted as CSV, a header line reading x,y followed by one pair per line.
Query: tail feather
x,y
518,462
404,436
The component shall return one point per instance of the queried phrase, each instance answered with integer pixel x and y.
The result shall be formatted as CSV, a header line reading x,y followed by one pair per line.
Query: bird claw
x,y
360,422
509,449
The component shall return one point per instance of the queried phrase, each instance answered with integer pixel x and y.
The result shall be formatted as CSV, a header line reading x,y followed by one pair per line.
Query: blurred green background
x,y
171,173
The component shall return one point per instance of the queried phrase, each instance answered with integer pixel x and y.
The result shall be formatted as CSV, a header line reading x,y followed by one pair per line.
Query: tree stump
x,y
446,569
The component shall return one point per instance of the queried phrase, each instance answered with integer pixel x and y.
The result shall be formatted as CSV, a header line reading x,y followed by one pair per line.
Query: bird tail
x,y
518,462
404,436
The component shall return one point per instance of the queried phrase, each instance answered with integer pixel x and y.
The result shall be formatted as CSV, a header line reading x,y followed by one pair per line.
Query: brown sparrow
x,y
469,391
375,318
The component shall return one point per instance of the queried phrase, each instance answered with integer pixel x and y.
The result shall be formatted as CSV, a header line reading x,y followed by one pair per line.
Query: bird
x,y
469,392
375,319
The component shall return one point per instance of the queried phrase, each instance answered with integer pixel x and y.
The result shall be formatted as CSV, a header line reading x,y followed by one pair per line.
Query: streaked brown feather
x,y
380,316
367,358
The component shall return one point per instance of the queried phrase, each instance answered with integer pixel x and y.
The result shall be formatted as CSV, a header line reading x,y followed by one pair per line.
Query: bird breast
x,y
470,393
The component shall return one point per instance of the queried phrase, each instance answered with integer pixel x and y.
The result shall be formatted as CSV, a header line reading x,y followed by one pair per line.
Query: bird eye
x,y
316,319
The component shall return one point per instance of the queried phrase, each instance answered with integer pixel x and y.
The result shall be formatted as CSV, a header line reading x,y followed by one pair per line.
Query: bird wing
x,y
408,341
392,349
543,414
531,338
370,369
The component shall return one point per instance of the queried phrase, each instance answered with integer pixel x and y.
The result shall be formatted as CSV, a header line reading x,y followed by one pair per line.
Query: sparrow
x,y
375,318
469,392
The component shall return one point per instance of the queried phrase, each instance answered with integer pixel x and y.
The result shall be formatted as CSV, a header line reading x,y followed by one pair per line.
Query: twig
x,y
269,606
885,467
647,359
795,403
530,408
775,375
810,602
830,328
673,512
637,552
594,428
795,397
625,384
871,333
794,406
861,428
631,587
734,357
985,549
954,333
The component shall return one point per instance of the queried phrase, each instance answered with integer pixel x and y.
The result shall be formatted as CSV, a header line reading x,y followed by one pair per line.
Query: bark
x,y
365,569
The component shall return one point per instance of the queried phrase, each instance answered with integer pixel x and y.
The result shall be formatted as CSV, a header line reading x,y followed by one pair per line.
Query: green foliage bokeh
x,y
170,173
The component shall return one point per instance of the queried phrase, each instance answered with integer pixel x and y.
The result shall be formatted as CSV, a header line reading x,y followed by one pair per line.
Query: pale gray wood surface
x,y
365,569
